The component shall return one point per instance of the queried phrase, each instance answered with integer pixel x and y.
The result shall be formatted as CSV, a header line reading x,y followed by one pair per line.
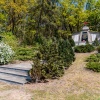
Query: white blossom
x,y
5,53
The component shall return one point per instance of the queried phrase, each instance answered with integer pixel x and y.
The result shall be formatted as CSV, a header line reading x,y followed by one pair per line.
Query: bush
x,y
98,49
29,37
25,53
50,65
66,52
52,59
1,38
94,62
84,48
36,71
10,39
93,58
95,66
96,42
32,38
72,42
6,53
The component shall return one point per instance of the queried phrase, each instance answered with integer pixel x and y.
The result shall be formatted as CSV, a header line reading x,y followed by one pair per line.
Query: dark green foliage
x,y
36,71
33,39
24,54
72,42
53,56
98,49
84,48
89,48
95,66
49,63
96,42
66,52
93,58
94,62
29,38
39,39
44,18
1,38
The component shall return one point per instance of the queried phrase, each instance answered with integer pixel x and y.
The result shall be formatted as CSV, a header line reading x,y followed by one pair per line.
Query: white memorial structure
x,y
85,36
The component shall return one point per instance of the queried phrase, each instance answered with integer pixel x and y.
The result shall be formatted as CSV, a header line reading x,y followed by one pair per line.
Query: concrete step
x,y
14,66
10,82
14,71
14,78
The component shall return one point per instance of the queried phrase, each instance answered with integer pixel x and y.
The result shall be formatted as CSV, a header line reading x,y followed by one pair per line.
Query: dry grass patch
x,y
78,83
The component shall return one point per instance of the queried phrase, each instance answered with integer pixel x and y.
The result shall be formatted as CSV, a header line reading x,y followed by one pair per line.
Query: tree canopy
x,y
60,18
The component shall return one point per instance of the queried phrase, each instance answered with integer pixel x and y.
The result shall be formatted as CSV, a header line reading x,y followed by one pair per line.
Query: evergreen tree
x,y
54,57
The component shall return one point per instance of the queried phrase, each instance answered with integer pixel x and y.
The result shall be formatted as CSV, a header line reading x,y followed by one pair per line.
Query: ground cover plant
x,y
95,66
84,48
25,53
93,62
93,58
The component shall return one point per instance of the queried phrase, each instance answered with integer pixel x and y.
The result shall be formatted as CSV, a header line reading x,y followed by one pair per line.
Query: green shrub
x,y
84,48
52,59
1,38
6,53
96,42
98,49
10,39
71,42
29,37
93,58
51,62
95,66
94,62
25,53
39,39
36,71
66,52
32,38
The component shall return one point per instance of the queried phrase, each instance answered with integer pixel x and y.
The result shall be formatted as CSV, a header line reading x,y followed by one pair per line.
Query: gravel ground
x,y
78,83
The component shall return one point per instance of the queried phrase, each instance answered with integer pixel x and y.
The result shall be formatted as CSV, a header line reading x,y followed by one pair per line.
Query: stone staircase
x,y
15,73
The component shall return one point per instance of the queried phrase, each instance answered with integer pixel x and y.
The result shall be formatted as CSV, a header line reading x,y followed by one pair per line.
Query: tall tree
x,y
94,15
73,14
45,16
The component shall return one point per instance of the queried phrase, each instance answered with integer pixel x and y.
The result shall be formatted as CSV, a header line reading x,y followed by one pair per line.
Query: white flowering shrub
x,y
6,53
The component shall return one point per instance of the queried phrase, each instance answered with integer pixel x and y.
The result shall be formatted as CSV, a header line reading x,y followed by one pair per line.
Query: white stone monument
x,y
84,36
